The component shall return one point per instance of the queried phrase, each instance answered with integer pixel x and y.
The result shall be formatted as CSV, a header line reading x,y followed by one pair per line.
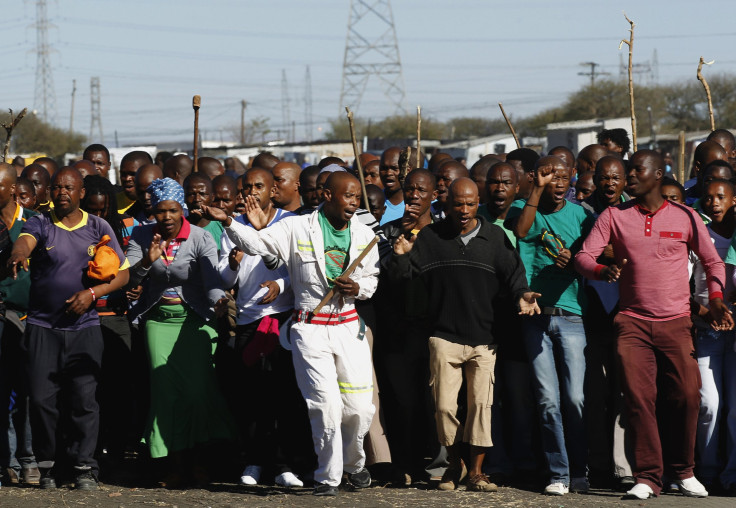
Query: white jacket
x,y
299,242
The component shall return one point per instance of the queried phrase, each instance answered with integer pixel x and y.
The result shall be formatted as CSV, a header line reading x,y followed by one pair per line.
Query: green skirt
x,y
187,407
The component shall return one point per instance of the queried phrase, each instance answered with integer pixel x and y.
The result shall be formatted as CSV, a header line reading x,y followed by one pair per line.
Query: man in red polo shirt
x,y
651,238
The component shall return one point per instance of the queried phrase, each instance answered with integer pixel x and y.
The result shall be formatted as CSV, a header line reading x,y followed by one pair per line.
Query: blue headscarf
x,y
166,189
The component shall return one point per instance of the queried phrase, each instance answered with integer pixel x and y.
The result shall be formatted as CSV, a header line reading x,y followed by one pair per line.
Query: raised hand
x,y
234,258
273,292
403,246
410,218
528,304
613,272
257,217
212,213
155,250
544,175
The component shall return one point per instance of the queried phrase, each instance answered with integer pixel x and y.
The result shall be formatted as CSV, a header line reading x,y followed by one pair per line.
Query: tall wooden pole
x,y
357,159
511,127
630,43
419,137
242,122
196,103
707,91
681,158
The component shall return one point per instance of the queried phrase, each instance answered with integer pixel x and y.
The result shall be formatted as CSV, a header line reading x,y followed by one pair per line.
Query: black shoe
x,y
86,480
48,480
322,489
361,479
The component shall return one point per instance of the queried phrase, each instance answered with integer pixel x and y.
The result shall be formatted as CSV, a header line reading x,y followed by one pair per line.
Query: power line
x,y
45,97
95,114
285,107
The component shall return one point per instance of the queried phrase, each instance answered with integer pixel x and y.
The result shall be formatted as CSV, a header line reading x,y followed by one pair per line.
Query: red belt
x,y
302,316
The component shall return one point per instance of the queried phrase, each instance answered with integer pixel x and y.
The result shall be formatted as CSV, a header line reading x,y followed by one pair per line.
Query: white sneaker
x,y
251,475
556,489
288,479
579,484
640,491
691,487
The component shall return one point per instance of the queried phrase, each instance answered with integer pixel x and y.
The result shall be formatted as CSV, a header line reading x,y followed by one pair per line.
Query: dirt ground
x,y
232,496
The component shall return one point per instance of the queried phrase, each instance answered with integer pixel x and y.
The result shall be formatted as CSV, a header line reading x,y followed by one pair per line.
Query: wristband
x,y
94,296
531,206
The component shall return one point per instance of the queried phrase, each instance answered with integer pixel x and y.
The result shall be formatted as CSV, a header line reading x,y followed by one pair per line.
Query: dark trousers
x,y
116,386
62,368
659,372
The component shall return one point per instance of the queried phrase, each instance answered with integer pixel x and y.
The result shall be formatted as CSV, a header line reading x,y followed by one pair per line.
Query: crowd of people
x,y
548,321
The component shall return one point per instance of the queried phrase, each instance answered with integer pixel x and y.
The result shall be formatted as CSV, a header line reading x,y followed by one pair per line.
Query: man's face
x,y
256,184
418,194
462,208
7,192
25,195
224,199
286,186
101,162
197,195
642,175
501,188
445,177
66,193
96,204
611,146
525,179
389,170
372,174
142,194
480,177
716,173
378,205
718,201
310,195
321,179
239,200
672,193
127,178
554,192
341,203
609,182
40,185
584,186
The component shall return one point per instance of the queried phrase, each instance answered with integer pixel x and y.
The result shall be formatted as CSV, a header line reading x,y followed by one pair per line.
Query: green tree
x,y
33,135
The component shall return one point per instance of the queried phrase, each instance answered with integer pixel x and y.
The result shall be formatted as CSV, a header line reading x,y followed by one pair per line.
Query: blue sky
x,y
459,58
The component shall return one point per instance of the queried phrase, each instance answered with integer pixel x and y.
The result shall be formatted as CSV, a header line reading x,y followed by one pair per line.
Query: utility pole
x,y
308,125
285,110
71,116
371,49
593,73
242,122
45,97
95,123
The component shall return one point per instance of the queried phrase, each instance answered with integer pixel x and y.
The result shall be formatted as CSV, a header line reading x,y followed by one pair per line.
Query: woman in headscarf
x,y
180,299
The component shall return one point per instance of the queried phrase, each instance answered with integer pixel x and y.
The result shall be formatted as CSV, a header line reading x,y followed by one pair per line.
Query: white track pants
x,y
334,372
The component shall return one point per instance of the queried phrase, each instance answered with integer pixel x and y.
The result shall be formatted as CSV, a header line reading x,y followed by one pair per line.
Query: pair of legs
x,y
447,362
717,365
555,346
334,372
659,378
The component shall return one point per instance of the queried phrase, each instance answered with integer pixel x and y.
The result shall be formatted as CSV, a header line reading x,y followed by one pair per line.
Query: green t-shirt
x,y
215,228
483,212
337,248
559,287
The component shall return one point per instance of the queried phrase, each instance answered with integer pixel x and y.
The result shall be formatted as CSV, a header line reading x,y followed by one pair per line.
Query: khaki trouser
x,y
375,443
447,361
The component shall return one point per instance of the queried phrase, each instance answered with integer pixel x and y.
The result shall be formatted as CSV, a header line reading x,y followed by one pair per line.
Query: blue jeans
x,y
717,364
556,349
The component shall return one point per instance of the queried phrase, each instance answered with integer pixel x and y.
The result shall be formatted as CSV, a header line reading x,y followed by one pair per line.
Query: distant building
x,y
473,149
581,133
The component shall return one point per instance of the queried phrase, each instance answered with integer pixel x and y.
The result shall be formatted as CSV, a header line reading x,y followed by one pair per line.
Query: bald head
x,y
48,163
589,156
479,174
724,138
69,172
707,152
7,173
436,160
86,168
210,166
178,167
338,179
327,161
265,160
565,154
143,179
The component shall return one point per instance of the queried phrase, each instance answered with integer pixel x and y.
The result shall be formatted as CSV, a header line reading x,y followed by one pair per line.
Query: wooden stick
x,y
707,91
9,129
419,137
404,160
357,159
196,103
681,158
348,273
511,127
630,43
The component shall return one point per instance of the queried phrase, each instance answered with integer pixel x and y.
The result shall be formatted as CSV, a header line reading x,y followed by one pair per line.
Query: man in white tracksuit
x,y
332,359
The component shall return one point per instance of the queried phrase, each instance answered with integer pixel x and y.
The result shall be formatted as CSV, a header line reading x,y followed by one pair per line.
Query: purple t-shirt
x,y
59,266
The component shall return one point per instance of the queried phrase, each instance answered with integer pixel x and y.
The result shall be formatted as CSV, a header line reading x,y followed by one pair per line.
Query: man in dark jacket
x,y
464,262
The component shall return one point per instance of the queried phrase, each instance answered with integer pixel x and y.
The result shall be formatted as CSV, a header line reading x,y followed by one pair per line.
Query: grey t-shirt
x,y
471,234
